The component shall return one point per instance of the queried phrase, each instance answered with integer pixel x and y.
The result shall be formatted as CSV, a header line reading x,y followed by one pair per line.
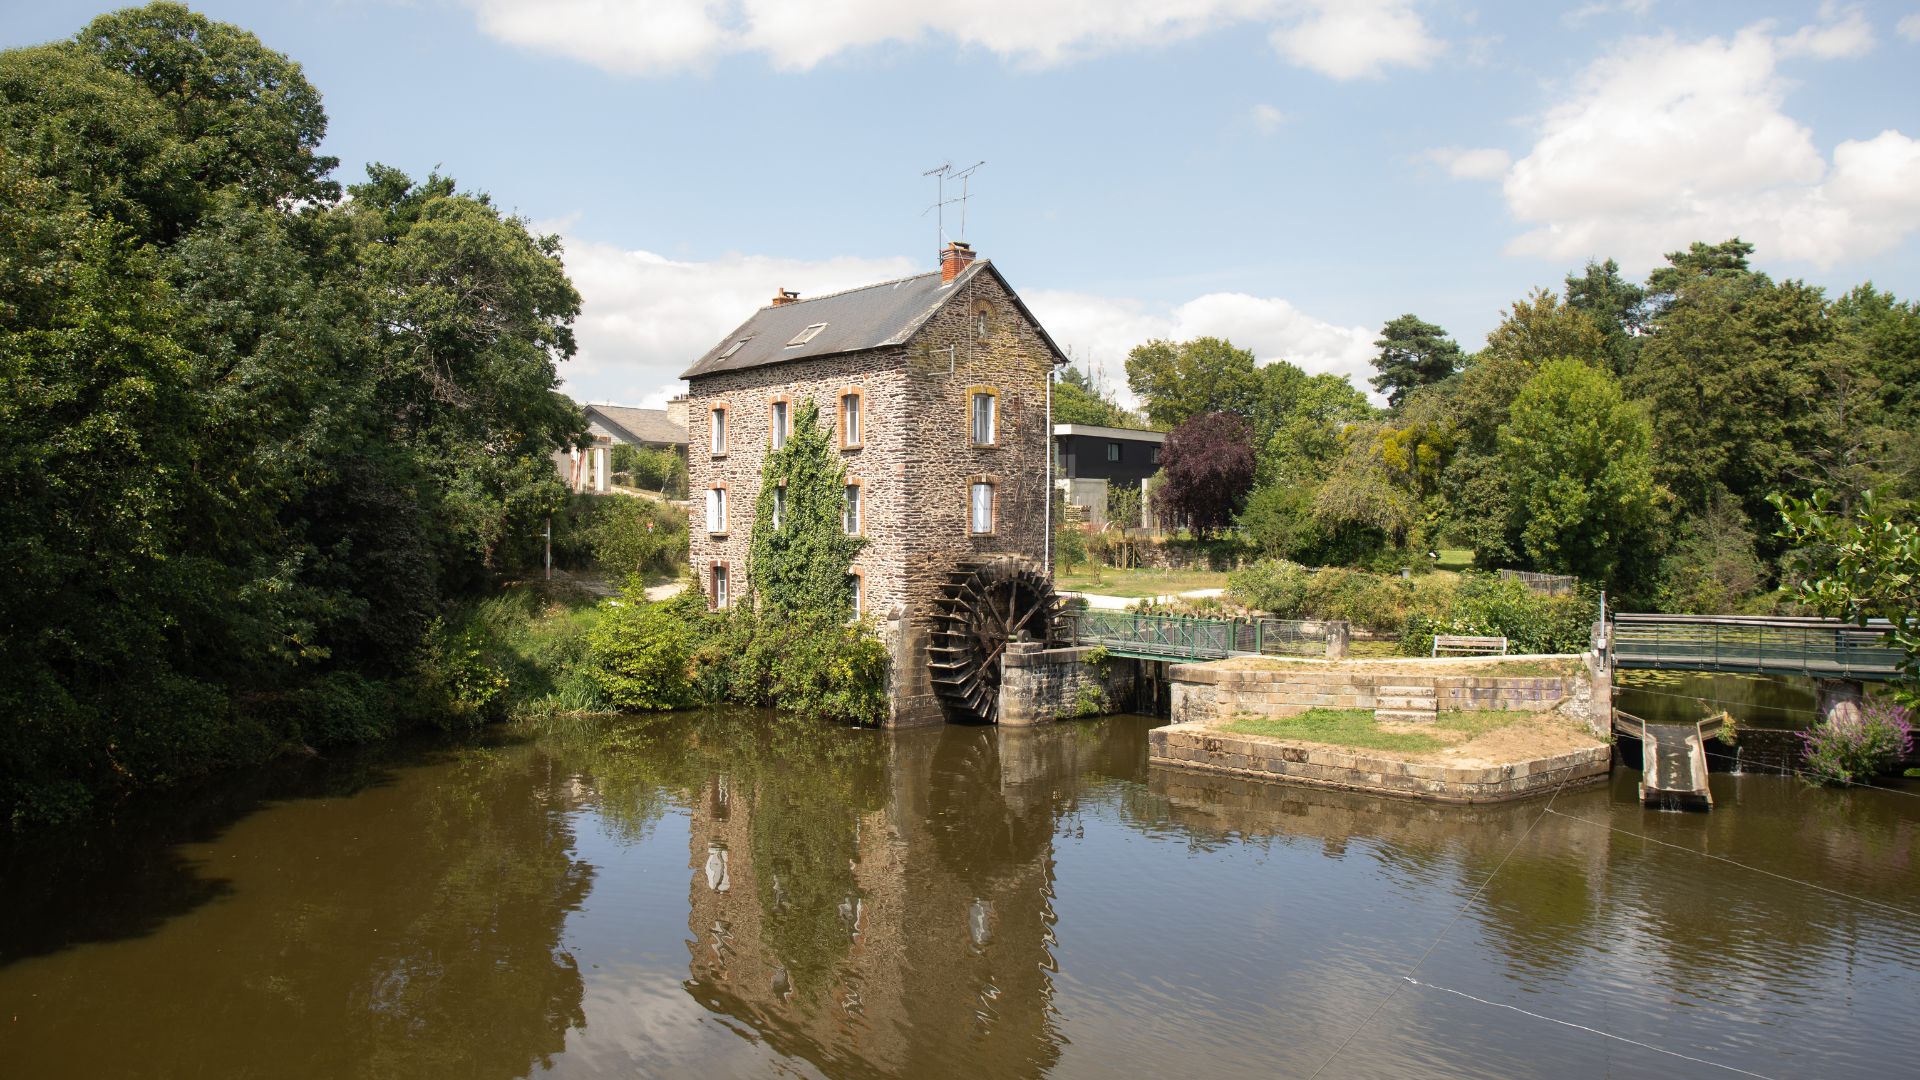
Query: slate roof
x,y
642,425
870,317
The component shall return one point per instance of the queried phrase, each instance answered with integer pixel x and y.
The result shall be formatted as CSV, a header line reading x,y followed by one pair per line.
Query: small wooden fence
x,y
1550,584
1766,646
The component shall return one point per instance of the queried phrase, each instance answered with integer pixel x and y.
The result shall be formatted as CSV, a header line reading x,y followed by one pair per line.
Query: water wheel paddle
x,y
985,603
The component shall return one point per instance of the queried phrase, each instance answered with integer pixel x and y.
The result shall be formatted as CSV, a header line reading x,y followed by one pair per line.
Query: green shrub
x,y
642,651
631,536
1847,750
1275,586
461,689
664,471
1486,605
1069,548
1360,598
342,707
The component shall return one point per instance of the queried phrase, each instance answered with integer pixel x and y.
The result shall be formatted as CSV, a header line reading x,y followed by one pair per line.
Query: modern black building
x,y
1088,460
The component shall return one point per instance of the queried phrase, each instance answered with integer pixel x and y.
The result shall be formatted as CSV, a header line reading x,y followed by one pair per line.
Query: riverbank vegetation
x,y
791,640
260,434
1628,433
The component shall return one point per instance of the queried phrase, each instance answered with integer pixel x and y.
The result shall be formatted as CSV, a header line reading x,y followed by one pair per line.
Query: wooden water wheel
x,y
985,603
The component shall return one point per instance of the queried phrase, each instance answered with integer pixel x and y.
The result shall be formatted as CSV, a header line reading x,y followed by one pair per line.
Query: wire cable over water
x,y
1471,900
1589,1030
1896,909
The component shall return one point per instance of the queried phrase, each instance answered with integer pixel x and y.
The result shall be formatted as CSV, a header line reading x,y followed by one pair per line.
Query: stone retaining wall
x,y
1038,685
1205,748
1203,692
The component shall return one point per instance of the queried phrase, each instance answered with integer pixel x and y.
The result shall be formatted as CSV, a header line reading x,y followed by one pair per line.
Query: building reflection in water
x,y
902,930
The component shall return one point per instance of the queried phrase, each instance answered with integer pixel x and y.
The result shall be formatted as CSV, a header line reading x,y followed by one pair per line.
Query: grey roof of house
x,y
870,317
642,425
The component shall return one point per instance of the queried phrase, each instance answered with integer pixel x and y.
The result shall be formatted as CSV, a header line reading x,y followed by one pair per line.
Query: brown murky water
x,y
698,896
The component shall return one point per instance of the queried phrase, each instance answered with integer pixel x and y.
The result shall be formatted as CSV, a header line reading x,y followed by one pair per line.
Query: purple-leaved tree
x,y
1207,471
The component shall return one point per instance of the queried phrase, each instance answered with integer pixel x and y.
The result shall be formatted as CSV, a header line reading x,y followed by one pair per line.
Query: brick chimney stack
x,y
783,297
957,257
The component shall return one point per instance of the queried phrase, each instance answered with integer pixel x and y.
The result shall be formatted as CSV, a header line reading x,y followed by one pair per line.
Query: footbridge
x,y
1821,648
1182,639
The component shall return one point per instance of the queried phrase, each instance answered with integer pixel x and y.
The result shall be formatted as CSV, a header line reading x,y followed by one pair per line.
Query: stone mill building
x,y
936,387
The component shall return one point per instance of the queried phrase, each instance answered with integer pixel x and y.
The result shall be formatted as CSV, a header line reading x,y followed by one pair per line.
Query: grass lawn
x,y
1357,728
1139,583
1455,558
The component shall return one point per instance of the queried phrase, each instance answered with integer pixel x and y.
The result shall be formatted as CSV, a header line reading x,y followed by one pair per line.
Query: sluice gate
x,y
1673,760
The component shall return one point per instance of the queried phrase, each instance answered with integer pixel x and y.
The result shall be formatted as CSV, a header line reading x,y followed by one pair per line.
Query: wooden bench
x,y
1461,645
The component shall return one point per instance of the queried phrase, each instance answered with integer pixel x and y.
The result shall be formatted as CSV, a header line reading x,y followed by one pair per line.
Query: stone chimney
x,y
957,257
783,297
677,411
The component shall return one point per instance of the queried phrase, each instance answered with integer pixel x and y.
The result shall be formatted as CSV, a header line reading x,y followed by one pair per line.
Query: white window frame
x,y
975,510
716,510
717,429
780,422
779,506
992,417
853,420
852,509
722,588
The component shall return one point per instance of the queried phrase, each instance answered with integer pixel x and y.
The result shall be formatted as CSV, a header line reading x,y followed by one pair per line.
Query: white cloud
x,y
1841,32
1268,119
1909,27
650,37
646,318
1355,38
1668,141
1479,164
1100,330
1578,16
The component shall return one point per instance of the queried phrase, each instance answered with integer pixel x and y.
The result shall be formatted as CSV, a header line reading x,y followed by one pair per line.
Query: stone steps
x,y
1407,704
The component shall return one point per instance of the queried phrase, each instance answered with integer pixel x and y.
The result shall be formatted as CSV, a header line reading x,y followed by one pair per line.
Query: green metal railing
x,y
1173,637
1766,646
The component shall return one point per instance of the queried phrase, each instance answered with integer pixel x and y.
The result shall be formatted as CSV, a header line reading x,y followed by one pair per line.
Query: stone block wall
x,y
1038,684
1208,692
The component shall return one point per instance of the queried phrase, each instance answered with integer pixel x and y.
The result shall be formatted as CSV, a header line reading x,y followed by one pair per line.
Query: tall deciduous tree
x,y
1617,306
1859,566
1413,353
1208,467
1728,375
1177,381
1577,464
1078,400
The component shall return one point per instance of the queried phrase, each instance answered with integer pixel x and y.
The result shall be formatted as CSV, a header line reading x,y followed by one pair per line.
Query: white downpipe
x,y
1046,543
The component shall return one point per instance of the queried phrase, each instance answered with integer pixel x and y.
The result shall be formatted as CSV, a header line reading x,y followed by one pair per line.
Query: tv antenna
x,y
942,174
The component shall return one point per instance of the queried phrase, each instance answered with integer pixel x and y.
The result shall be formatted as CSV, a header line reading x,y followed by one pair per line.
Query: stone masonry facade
x,y
914,465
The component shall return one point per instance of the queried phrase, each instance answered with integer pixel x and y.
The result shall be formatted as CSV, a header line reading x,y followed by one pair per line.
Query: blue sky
x,y
1288,173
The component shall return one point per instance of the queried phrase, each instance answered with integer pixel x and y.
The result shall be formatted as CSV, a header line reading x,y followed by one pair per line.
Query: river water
x,y
721,894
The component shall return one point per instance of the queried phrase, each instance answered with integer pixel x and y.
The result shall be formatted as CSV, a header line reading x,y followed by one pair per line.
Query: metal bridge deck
x,y
1827,648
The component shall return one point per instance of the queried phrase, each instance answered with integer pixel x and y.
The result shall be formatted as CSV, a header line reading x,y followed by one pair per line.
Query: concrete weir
x,y
1203,747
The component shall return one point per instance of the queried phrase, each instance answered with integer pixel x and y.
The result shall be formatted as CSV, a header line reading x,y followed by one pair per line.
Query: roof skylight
x,y
807,335
733,348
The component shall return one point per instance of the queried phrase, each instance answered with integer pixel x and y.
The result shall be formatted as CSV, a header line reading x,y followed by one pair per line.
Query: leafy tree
x,y
1577,464
1208,466
1077,400
1712,568
801,567
1726,260
1361,500
1616,306
1728,376
245,115
1179,381
1540,328
1413,353
1859,566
